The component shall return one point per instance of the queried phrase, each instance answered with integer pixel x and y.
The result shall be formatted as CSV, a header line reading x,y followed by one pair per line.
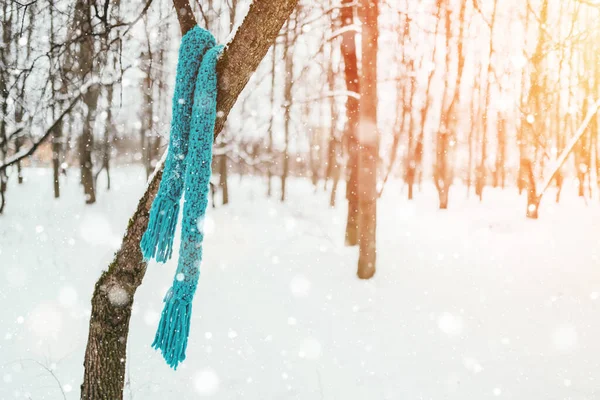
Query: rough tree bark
x,y
109,324
368,138
348,46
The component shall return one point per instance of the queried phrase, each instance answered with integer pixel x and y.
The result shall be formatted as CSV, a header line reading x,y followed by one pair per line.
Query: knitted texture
x,y
187,171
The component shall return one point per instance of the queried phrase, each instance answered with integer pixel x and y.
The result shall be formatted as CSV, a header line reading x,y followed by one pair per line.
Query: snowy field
x,y
475,302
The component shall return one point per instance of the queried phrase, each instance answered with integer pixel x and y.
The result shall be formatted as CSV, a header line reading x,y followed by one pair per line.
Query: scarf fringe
x,y
173,330
157,241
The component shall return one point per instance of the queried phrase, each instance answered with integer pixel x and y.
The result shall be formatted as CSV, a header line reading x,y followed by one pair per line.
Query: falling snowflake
x,y
450,324
67,296
310,349
206,382
300,286
565,338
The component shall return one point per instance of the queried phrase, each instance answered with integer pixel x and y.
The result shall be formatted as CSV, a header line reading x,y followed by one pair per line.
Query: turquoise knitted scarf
x,y
187,170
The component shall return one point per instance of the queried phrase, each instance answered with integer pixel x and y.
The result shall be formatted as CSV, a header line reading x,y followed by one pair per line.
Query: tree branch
x,y
570,145
26,153
185,15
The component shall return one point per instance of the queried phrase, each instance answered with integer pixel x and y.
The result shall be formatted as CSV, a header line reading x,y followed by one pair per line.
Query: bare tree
x,y
334,143
368,139
445,139
289,36
86,68
348,46
481,168
531,122
7,20
272,116
109,323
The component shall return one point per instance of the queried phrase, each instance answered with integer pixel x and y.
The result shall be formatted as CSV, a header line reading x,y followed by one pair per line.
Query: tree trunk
x,y
18,144
533,201
146,132
333,145
109,325
272,119
368,138
90,98
287,99
107,136
500,174
481,175
532,122
223,179
4,49
416,154
348,47
86,147
336,179
56,146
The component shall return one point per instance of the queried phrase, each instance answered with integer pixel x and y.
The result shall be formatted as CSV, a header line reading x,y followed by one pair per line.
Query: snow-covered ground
x,y
475,302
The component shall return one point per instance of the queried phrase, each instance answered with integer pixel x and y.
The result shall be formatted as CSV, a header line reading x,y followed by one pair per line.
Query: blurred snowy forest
x,y
455,116
486,93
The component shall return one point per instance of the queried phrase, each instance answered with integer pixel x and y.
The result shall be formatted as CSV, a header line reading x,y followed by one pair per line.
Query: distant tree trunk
x,y
90,99
442,177
104,365
416,153
287,98
368,138
401,101
86,147
56,153
223,179
473,130
582,157
56,147
480,175
336,178
19,111
410,165
272,118
18,144
532,123
146,135
500,173
7,17
106,143
57,134
532,198
314,145
333,167
481,170
446,136
348,47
